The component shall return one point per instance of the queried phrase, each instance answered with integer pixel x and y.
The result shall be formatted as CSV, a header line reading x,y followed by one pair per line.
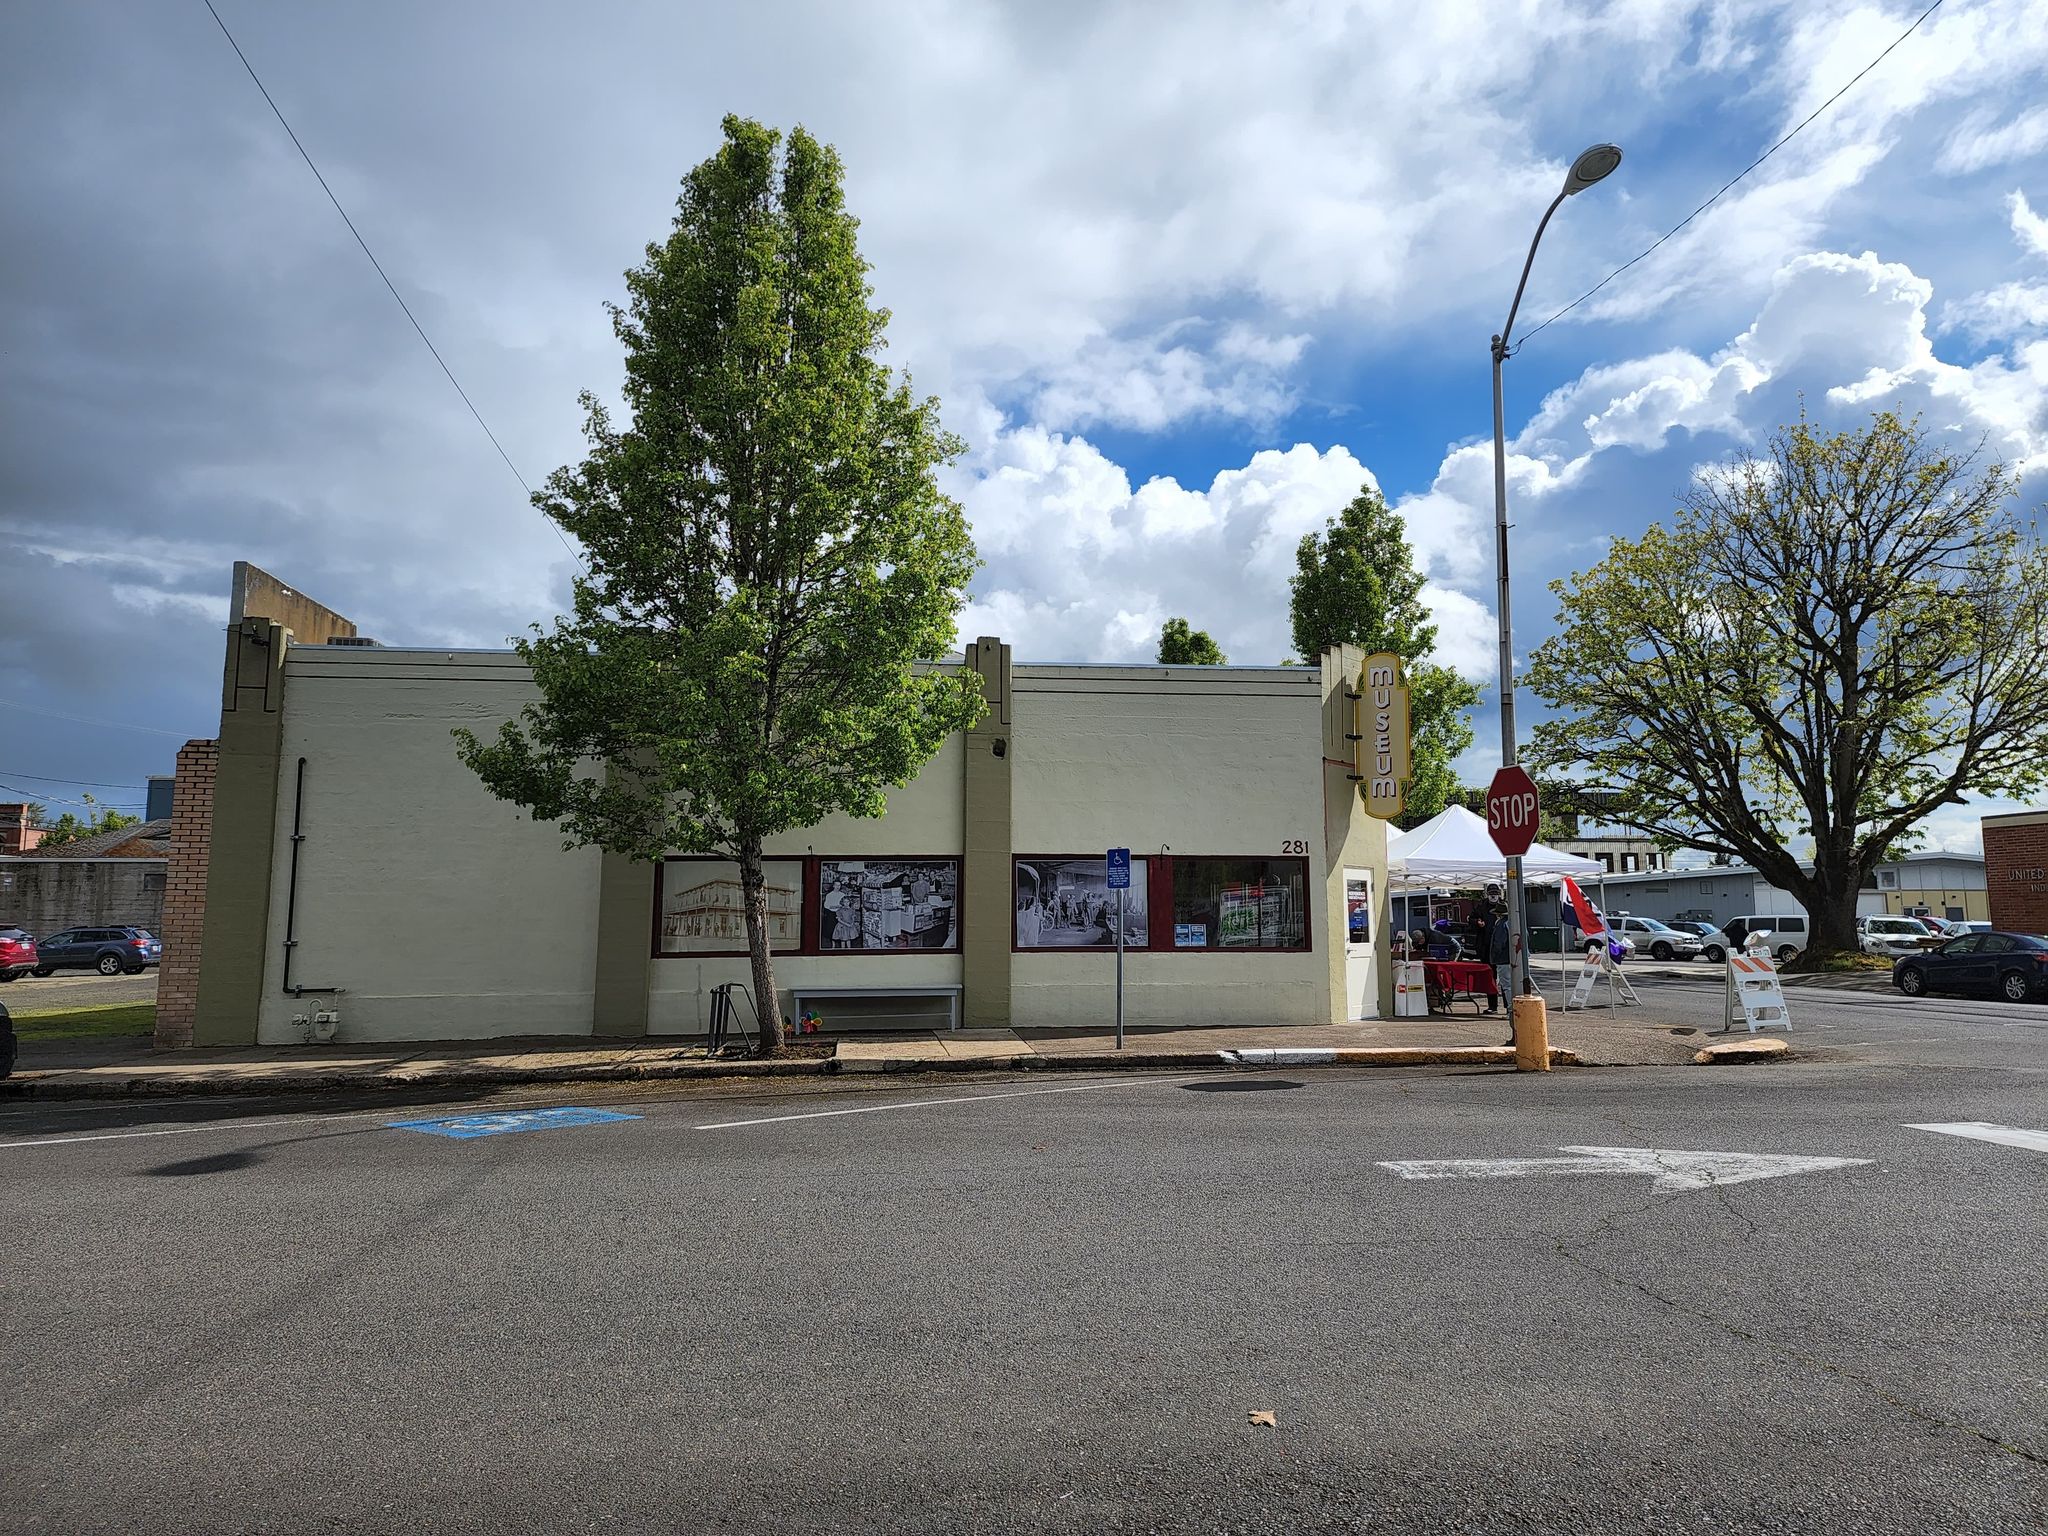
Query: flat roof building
x,y
349,860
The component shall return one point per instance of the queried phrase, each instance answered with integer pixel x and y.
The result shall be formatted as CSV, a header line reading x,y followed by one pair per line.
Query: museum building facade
x,y
346,863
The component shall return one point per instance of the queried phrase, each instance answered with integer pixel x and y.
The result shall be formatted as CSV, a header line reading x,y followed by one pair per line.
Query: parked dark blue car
x,y
110,951
2013,966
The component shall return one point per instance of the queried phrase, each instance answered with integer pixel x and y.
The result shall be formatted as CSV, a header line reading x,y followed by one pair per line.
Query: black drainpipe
x,y
291,900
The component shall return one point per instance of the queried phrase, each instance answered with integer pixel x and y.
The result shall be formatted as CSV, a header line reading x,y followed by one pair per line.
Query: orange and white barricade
x,y
1754,994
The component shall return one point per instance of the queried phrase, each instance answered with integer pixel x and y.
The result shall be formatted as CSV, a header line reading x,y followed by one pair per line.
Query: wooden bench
x,y
799,995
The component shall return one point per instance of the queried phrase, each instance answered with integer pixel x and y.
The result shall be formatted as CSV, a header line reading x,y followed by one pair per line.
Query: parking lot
x,y
77,989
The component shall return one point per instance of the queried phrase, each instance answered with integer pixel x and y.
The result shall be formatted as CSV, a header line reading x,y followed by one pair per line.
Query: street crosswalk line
x,y
1984,1130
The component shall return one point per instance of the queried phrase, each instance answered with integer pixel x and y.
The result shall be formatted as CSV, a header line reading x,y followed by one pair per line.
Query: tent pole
x,y
1607,917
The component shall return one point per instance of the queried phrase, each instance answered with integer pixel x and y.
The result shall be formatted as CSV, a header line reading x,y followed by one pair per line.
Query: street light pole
x,y
1591,166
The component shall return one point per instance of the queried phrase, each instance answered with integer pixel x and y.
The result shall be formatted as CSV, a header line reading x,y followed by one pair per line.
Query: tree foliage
x,y
1181,646
771,566
1356,584
1831,640
72,828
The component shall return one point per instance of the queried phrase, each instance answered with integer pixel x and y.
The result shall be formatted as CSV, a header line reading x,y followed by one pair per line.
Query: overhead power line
x,y
45,778
393,287
1759,160
117,725
83,805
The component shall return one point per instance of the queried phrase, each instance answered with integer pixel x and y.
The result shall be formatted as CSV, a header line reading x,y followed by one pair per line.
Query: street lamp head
x,y
1594,164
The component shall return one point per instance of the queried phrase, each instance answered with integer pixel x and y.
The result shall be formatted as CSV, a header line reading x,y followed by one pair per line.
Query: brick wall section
x,y
177,986
2016,871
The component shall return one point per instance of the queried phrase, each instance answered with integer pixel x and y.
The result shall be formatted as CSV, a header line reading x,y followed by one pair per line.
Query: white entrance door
x,y
1361,992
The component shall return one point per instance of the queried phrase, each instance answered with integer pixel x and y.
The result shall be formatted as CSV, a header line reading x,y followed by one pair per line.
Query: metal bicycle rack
x,y
725,1018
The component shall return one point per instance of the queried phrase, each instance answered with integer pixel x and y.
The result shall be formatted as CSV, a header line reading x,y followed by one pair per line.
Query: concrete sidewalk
x,y
120,1069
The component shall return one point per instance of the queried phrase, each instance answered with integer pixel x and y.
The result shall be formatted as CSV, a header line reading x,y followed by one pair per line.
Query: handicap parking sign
x,y
1118,862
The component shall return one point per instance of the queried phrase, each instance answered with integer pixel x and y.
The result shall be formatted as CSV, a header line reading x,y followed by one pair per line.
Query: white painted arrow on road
x,y
1671,1171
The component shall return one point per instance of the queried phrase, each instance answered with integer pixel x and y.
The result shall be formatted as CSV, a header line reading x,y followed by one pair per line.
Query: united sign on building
x,y
1384,759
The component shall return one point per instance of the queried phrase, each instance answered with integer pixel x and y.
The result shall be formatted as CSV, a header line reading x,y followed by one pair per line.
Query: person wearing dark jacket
x,y
1498,956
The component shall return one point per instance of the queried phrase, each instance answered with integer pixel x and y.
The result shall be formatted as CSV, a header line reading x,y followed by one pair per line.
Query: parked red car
x,y
17,954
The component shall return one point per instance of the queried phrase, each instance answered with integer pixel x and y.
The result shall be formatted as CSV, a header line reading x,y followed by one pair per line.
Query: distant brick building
x,y
16,834
2016,870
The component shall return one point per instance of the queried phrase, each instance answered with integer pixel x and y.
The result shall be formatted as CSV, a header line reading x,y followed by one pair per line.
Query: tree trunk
x,y
754,891
1831,916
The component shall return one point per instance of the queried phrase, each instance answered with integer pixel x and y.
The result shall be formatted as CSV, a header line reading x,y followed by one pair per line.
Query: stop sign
x,y
1511,811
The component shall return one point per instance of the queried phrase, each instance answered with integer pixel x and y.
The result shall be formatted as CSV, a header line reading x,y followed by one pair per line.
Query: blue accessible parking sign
x,y
1118,862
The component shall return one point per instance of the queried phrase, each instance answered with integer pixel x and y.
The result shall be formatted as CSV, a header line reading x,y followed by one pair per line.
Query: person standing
x,y
1499,955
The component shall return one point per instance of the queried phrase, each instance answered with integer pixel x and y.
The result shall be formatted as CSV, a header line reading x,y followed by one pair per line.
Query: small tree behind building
x,y
1830,641
1180,646
770,562
1356,584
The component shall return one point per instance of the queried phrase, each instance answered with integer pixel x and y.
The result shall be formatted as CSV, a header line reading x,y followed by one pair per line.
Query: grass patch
x,y
83,1023
1847,962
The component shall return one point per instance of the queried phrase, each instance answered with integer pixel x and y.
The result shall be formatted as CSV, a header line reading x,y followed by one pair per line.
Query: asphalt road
x,y
1008,1304
1879,1028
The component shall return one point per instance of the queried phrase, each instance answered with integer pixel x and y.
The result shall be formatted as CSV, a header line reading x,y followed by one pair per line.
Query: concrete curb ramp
x,y
103,1084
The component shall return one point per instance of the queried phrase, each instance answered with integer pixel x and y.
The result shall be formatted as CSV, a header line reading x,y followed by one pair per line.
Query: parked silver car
x,y
1714,944
1663,941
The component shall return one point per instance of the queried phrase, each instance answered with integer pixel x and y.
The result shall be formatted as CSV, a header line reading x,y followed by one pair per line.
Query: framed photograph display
x,y
699,908
1065,903
888,904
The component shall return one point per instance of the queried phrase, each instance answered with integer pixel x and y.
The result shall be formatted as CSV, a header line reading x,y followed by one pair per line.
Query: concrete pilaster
x,y
987,894
243,834
625,942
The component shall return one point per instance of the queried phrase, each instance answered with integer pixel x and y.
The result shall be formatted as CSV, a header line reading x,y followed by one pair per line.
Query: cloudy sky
x,y
1185,277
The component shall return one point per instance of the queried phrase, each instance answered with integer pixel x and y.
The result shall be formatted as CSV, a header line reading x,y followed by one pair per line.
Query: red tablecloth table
x,y
1449,980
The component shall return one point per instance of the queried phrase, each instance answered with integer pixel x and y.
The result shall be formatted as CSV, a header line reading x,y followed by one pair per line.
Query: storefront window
x,y
1240,903
1067,904
888,904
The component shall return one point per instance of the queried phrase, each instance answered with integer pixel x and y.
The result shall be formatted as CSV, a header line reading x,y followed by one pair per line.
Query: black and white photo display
x,y
890,904
1067,904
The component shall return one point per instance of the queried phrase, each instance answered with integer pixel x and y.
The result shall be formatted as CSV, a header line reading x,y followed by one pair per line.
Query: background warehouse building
x,y
329,850
1944,885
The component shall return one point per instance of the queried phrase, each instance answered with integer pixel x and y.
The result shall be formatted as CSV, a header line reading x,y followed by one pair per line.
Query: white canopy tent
x,y
1453,847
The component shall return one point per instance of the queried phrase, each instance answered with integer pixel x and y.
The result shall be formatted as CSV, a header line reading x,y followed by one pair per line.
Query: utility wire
x,y
1759,160
44,778
118,725
83,805
351,223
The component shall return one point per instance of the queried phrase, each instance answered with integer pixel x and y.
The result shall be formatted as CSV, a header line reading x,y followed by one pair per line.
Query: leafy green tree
x,y
1356,584
1180,646
1831,640
771,565
72,828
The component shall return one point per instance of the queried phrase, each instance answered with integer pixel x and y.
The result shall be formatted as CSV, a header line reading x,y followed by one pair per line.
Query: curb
x,y
1851,982
1250,1059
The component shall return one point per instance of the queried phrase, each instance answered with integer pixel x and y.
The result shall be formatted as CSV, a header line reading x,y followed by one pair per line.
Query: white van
x,y
1787,931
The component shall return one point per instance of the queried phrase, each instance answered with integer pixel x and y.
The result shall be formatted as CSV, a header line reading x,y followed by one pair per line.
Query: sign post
x,y
1512,812
1117,864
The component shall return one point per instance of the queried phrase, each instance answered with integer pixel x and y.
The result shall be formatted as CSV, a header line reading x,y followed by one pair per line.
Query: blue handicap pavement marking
x,y
468,1127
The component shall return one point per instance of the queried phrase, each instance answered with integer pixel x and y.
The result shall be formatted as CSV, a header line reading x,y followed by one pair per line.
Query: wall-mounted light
x,y
1001,747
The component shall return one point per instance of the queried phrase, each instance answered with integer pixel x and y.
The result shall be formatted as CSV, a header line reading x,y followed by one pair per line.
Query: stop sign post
x,y
1511,814
1511,810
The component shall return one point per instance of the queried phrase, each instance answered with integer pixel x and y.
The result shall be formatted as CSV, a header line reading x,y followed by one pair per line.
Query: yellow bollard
x,y
1532,1035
